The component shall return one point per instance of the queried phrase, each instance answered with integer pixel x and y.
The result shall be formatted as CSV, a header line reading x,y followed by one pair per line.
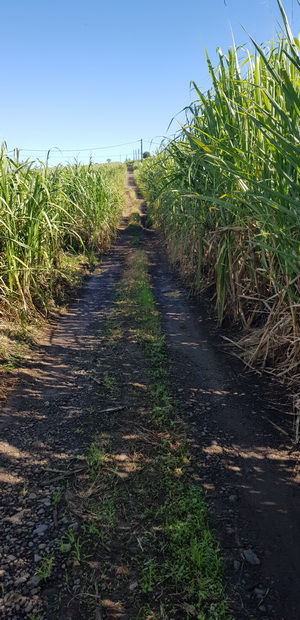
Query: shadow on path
x,y
250,470
45,429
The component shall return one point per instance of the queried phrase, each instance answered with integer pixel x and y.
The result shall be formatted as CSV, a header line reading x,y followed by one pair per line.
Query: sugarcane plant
x,y
46,213
225,192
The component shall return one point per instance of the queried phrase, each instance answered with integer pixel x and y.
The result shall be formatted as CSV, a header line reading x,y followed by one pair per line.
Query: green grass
x,y
185,553
45,568
136,300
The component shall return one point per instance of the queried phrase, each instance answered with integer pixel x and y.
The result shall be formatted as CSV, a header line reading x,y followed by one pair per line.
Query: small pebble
x,y
41,529
21,579
251,557
258,592
34,581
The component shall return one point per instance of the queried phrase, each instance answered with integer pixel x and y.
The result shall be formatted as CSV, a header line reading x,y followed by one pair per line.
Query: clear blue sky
x,y
79,75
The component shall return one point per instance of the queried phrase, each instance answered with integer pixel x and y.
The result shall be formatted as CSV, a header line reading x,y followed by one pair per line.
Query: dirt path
x,y
45,430
249,470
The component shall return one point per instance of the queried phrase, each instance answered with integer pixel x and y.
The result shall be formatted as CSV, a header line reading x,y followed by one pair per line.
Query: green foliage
x,y
46,212
94,459
45,568
225,193
178,549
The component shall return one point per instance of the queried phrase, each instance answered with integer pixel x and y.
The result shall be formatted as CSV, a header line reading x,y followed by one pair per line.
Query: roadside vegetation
x,y
47,217
225,193
53,222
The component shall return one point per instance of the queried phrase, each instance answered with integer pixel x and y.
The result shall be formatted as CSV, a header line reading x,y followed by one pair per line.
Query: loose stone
x,y
41,529
251,557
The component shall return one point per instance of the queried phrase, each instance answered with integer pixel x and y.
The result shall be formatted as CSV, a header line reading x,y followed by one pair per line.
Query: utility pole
x,y
141,148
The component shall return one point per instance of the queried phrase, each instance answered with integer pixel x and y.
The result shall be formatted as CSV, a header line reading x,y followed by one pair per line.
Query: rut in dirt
x,y
248,469
45,429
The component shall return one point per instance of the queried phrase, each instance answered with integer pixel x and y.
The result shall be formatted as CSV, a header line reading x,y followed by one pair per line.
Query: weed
x,y
57,496
10,365
106,511
44,570
94,459
90,409
79,430
24,490
93,530
109,383
65,547
76,546
149,573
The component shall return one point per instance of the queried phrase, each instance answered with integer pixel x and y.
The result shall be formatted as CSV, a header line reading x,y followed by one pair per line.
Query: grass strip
x,y
186,557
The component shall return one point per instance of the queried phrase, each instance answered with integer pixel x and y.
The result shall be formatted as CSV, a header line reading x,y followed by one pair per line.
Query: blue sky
x,y
84,75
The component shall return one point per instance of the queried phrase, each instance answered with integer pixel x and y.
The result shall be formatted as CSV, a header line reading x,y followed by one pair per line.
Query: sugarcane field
x,y
150,316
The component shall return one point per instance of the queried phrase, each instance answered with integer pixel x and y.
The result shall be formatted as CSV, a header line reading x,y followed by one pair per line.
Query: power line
x,y
97,148
56,152
57,156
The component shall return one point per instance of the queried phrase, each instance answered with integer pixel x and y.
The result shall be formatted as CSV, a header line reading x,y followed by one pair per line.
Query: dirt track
x,y
250,470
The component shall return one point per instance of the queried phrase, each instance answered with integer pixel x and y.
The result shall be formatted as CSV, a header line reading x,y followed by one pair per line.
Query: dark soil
x,y
248,467
45,430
